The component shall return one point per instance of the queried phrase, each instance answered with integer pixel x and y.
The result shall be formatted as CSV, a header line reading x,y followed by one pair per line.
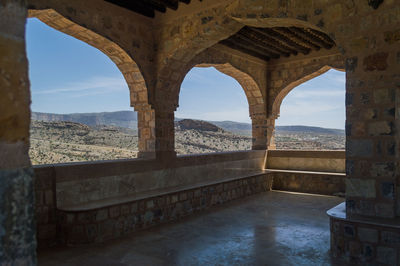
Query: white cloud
x,y
91,86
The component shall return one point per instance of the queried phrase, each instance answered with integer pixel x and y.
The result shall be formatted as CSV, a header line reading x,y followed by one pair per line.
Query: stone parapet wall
x,y
72,185
45,206
362,241
318,161
309,182
111,222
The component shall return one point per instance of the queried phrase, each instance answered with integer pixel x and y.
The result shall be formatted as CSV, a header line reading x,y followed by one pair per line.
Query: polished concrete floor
x,y
273,228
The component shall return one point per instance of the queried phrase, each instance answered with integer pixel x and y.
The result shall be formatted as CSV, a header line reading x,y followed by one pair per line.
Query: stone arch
x,y
249,85
290,85
128,67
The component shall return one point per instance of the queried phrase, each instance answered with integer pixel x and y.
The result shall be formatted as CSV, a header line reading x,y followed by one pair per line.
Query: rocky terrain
x,y
61,141
56,142
87,139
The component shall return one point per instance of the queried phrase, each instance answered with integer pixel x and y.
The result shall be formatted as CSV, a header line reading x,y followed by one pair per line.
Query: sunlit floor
x,y
273,228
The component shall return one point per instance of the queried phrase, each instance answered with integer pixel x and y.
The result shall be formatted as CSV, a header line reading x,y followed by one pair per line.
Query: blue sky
x,y
69,76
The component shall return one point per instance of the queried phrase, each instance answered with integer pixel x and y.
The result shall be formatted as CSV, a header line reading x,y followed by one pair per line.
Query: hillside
x,y
61,141
54,141
128,119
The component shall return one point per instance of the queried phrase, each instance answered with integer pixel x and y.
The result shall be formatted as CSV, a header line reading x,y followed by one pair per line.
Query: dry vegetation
x,y
59,142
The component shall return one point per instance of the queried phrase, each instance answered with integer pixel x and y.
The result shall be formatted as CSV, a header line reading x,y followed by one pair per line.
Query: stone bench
x,y
325,183
68,192
106,219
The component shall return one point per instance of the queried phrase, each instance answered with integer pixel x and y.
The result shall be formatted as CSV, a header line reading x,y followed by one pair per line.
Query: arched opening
x,y
312,112
81,118
213,115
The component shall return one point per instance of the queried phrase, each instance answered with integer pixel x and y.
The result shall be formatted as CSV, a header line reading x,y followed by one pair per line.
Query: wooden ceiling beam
x,y
244,49
322,36
134,6
251,45
274,53
312,38
285,40
156,5
266,42
173,4
296,35
272,41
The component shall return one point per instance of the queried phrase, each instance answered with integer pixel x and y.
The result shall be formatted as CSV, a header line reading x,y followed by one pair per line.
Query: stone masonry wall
x,y
365,244
17,223
308,182
111,222
45,206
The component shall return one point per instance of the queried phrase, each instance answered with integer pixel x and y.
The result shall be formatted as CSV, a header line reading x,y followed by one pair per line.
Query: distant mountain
x,y
188,124
128,119
309,129
239,128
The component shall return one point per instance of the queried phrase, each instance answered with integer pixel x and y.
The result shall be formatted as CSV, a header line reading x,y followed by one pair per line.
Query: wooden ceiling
x,y
272,43
148,7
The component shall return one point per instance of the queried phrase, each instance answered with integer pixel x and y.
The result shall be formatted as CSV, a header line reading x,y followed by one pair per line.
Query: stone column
x,y
146,133
263,132
372,146
17,226
156,134
165,134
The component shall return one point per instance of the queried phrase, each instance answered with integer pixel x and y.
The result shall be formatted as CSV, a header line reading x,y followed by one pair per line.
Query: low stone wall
x,y
45,206
317,161
309,182
364,241
105,223
318,172
72,187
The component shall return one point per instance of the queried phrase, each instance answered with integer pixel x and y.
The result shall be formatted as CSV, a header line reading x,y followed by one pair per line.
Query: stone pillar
x,y
17,226
156,134
146,133
165,135
263,132
372,147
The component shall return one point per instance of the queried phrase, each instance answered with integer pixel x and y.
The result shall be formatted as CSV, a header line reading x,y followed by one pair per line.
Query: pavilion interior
x,y
257,207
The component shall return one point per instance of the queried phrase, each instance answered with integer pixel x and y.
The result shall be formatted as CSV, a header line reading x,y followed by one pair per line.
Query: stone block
x,y
390,238
115,211
150,204
125,209
385,210
174,198
377,61
349,231
134,207
368,251
148,217
392,37
382,96
182,196
364,188
367,235
49,197
359,148
382,169
387,190
386,255
351,64
101,215
380,128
